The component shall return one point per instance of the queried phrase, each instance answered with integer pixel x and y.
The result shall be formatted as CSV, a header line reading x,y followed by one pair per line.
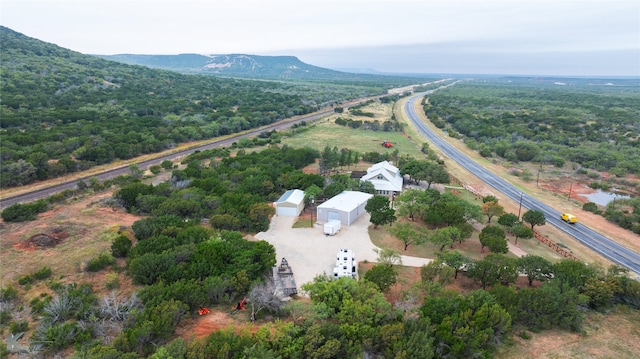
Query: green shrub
x,y
593,175
19,327
100,262
55,286
5,317
590,206
155,169
20,212
121,246
8,294
43,273
37,305
26,280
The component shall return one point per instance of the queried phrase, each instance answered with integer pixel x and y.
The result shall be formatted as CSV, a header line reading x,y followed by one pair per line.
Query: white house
x,y
290,204
345,207
386,178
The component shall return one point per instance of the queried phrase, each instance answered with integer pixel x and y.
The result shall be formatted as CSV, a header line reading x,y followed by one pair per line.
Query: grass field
x,y
327,133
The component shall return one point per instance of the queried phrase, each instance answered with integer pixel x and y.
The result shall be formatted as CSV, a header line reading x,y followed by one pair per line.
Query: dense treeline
x,y
63,111
232,192
591,123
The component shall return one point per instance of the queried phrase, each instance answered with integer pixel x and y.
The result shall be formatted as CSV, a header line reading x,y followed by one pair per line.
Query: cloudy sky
x,y
540,37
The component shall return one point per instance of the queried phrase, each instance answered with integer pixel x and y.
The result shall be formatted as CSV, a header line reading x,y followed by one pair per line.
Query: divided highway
x,y
592,239
115,172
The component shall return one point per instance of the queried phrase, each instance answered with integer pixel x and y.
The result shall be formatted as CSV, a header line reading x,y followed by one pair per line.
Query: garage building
x,y
290,204
346,207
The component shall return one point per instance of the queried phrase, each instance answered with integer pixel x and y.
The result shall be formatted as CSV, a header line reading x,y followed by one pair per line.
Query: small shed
x,y
290,204
346,207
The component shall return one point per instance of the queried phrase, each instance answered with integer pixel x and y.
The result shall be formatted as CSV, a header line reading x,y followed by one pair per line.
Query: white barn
x,y
290,204
346,207
386,178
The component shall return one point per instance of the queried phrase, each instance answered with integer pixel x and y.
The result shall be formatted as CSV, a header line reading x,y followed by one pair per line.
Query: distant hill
x,y
256,67
237,65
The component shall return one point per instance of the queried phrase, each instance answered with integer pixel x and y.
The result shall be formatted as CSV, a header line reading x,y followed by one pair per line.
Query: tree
x,y
121,246
260,213
380,218
569,273
413,202
445,236
166,164
406,233
491,209
454,259
408,204
489,198
334,189
388,256
266,296
436,173
534,218
547,306
381,213
383,276
376,203
535,268
494,238
494,268
466,230
521,231
135,171
312,191
508,220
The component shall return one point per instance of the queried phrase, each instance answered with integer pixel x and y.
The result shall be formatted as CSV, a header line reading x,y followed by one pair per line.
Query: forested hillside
x,y
63,111
593,123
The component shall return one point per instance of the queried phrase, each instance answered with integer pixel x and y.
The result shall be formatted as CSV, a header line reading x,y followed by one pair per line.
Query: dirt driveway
x,y
310,252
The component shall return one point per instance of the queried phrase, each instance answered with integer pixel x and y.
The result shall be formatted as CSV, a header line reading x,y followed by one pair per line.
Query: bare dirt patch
x,y
63,239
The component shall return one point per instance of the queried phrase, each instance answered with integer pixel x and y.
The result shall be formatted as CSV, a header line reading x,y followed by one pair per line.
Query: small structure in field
x,y
291,203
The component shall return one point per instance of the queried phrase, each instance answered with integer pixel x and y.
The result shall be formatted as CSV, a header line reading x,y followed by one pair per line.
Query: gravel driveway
x,y
310,252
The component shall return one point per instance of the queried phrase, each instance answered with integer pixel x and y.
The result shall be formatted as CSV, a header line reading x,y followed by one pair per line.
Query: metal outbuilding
x,y
346,207
291,203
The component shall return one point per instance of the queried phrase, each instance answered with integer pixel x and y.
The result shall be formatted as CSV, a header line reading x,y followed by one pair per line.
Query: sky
x,y
540,37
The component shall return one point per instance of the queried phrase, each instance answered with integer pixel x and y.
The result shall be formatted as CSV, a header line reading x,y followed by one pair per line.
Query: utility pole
x,y
570,188
313,199
520,206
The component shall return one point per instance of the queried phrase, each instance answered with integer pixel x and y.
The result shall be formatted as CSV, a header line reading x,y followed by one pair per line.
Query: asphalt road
x,y
592,239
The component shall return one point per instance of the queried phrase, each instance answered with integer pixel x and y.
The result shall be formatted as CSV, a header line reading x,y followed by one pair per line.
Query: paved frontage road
x,y
592,239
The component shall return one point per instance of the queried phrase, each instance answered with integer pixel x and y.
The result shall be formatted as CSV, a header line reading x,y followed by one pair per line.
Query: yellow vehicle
x,y
569,218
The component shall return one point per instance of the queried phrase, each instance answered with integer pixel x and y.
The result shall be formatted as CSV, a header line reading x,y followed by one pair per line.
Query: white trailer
x,y
346,265
332,227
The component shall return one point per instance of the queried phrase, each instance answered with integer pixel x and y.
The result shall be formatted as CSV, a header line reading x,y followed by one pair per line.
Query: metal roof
x,y
346,201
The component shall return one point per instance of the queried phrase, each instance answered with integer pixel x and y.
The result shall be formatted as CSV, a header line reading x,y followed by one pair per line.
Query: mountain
x,y
258,67
234,65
